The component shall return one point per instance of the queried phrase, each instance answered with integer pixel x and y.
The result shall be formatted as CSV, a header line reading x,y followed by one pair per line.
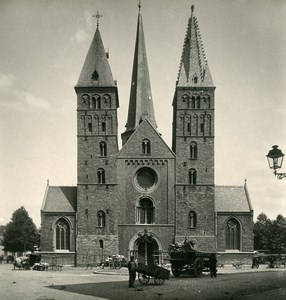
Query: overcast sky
x,y
43,47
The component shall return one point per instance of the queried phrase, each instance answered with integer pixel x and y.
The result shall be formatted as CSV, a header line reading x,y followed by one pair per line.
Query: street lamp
x,y
275,159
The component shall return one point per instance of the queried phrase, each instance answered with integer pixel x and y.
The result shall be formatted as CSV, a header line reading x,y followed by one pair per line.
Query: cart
x,y
189,262
145,272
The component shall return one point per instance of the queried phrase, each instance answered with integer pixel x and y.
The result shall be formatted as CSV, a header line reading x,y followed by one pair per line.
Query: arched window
x,y
196,124
145,212
192,220
207,101
89,126
85,100
103,149
101,176
186,98
96,102
62,229
192,177
208,122
189,127
146,146
232,234
101,219
193,150
196,103
193,102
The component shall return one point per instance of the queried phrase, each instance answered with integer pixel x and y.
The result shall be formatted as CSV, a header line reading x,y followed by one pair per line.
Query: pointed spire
x,y
141,101
194,70
96,70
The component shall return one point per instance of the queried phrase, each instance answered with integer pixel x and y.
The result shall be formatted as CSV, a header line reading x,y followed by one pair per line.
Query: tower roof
x,y
194,70
141,101
96,70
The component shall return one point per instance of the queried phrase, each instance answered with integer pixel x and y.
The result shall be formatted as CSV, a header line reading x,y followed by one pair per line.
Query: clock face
x,y
146,179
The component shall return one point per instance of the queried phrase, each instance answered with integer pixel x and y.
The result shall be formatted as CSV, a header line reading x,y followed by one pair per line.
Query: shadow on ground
x,y
114,290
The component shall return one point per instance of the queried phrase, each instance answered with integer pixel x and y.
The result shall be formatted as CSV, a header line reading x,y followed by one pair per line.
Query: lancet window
x,y
62,233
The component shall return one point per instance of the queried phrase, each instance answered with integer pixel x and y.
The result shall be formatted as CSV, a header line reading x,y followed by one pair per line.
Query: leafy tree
x,y
21,233
2,229
262,232
278,235
270,235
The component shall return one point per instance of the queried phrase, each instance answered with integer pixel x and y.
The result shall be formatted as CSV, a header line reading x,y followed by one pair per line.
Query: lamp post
x,y
275,159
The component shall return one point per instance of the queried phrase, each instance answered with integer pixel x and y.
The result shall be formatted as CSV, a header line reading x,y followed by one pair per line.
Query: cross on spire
x,y
139,5
97,16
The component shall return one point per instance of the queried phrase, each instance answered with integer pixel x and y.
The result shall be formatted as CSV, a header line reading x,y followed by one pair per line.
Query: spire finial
x,y
139,5
192,8
97,16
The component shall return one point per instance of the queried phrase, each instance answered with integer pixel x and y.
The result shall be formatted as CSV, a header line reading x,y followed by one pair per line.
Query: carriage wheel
x,y
198,267
143,279
176,271
159,277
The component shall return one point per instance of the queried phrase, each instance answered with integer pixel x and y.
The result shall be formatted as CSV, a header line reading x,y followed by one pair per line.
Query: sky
x,y
42,50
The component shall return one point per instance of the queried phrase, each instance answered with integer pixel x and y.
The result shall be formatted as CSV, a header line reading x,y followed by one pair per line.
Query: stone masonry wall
x,y
246,221
48,222
89,250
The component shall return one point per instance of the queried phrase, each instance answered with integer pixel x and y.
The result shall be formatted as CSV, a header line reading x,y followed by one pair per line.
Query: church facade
x,y
142,197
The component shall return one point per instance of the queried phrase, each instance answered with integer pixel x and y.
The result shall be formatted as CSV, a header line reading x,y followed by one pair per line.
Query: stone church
x,y
140,198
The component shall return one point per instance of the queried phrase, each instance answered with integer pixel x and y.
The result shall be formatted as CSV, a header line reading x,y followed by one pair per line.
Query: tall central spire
x,y
141,101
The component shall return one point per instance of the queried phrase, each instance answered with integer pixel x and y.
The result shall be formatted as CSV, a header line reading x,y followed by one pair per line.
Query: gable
x,y
60,199
232,199
133,147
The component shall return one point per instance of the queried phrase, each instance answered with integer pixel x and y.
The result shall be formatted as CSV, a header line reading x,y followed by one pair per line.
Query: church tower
x,y
145,167
193,142
97,104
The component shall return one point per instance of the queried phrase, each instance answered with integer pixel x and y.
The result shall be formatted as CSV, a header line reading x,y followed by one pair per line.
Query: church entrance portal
x,y
148,252
146,249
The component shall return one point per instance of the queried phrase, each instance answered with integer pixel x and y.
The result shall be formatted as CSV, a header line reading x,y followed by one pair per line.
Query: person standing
x,y
255,262
132,266
213,263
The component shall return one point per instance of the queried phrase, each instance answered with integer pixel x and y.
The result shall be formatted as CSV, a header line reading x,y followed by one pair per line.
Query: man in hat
x,y
132,266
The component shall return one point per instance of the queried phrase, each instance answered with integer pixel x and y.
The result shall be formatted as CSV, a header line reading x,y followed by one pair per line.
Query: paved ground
x,y
78,283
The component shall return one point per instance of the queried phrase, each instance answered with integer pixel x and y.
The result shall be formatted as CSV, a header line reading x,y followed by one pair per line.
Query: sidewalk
x,y
227,269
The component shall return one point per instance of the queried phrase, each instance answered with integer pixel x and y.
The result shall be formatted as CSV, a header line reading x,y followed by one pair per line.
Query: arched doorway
x,y
147,251
146,248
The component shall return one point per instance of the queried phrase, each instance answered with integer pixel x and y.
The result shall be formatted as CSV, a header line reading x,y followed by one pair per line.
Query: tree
x,y
270,235
21,233
2,229
262,232
278,236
